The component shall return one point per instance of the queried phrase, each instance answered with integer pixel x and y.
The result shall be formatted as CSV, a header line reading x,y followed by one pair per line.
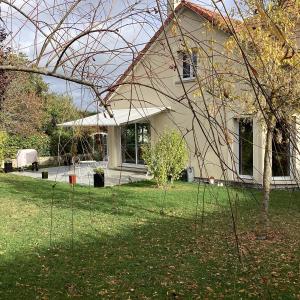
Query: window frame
x,y
191,60
244,176
289,177
136,145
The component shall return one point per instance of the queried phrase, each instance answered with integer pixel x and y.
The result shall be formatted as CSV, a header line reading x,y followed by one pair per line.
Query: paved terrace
x,y
84,173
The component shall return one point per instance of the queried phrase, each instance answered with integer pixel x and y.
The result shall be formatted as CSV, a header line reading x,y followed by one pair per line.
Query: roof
x,y
121,117
213,17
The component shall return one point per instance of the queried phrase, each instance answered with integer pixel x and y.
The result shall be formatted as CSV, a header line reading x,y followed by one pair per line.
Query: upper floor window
x,y
189,64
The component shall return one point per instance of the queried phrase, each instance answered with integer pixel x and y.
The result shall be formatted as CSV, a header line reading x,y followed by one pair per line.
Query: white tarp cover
x,y
120,117
26,157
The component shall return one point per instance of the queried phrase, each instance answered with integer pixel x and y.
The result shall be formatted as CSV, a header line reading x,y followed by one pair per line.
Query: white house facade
x,y
160,91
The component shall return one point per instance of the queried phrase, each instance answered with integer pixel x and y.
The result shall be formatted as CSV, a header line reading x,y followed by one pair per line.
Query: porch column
x,y
114,146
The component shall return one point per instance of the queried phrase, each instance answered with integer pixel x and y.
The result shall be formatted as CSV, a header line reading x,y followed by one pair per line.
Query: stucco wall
x,y
157,84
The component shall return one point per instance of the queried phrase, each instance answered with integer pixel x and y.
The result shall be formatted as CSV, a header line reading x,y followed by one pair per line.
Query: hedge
x,y
40,142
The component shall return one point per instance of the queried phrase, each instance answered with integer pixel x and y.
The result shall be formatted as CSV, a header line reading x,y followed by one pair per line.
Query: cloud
x,y
100,57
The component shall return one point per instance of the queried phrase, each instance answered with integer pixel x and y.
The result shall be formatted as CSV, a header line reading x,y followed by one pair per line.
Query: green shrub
x,y
65,138
167,158
13,143
99,170
3,139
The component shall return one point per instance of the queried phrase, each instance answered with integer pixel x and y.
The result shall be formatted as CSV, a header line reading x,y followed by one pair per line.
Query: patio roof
x,y
120,117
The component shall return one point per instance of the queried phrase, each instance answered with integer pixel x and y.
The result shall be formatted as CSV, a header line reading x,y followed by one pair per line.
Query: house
x,y
160,91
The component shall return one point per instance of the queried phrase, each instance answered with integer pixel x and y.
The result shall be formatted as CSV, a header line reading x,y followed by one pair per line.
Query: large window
x,y
132,138
281,156
246,147
189,65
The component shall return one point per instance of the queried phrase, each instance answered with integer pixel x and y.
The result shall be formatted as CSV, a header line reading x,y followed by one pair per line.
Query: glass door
x,y
133,136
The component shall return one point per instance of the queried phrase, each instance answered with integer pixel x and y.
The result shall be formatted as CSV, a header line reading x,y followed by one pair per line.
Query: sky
x,y
25,38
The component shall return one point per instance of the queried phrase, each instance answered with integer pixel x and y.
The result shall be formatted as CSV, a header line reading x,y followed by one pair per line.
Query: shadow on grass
x,y
141,196
153,256
162,259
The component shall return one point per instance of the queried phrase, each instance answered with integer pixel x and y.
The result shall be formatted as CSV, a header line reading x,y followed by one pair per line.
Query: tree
x,y
4,78
58,109
22,107
266,79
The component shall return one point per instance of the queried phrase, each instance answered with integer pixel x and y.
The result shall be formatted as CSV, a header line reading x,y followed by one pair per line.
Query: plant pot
x,y
211,181
35,166
68,161
98,180
72,179
184,175
8,167
45,175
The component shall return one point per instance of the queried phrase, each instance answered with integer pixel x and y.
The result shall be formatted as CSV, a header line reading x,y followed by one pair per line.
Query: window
x,y
133,136
246,147
281,154
189,65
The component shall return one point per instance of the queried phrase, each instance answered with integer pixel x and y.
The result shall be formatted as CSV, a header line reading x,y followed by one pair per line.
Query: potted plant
x,y
72,179
211,180
8,166
99,177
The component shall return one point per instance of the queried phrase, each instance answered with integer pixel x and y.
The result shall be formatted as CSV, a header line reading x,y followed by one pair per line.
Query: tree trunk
x,y
267,174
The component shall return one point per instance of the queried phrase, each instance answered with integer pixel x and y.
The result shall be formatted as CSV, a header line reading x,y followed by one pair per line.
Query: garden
x,y
137,241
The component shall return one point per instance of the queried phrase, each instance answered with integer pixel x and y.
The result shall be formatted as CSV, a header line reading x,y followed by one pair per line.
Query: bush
x,y
65,138
13,143
167,158
3,139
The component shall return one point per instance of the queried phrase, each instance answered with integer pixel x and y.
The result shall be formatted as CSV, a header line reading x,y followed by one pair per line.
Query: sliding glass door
x,y
133,136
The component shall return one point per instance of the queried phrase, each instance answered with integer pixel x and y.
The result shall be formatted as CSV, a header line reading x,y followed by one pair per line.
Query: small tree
x,y
266,80
166,158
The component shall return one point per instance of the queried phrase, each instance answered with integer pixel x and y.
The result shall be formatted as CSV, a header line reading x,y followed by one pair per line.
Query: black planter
x,y
183,176
68,160
8,167
44,175
98,180
35,166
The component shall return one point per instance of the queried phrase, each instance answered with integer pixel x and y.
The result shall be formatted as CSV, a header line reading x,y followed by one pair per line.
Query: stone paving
x,y
84,173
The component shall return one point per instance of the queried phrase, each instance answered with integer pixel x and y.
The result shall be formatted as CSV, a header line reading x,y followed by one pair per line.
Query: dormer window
x,y
189,64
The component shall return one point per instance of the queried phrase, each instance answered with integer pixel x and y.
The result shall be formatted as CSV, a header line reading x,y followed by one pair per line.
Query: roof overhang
x,y
120,117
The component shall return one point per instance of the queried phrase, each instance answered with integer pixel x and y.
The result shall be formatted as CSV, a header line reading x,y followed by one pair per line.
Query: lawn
x,y
140,242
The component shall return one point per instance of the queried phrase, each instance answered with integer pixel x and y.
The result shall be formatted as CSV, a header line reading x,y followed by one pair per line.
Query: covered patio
x,y
125,133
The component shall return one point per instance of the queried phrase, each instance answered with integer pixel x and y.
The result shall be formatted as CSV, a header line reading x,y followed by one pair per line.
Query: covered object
x,y
26,157
120,117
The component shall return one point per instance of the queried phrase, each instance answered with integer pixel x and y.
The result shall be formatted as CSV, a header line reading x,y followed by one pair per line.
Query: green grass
x,y
138,242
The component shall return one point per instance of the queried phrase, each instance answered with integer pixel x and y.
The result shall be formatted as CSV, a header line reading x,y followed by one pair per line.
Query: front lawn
x,y
139,242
